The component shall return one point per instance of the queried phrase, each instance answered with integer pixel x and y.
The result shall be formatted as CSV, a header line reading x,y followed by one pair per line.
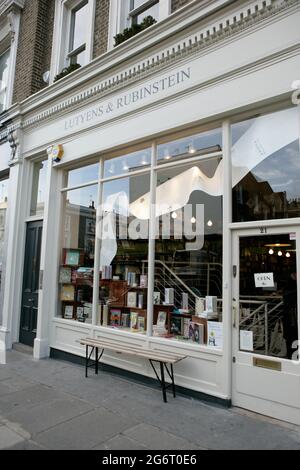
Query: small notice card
x,y
264,280
246,340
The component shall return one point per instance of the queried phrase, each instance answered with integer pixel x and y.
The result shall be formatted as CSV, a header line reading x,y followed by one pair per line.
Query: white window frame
x,y
61,54
120,15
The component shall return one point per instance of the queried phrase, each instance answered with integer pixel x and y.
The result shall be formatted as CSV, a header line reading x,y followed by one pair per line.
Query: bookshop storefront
x,y
170,209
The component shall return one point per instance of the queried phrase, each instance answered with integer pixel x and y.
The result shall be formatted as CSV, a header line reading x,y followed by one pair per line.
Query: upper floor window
x,y
140,9
4,69
78,31
73,35
128,13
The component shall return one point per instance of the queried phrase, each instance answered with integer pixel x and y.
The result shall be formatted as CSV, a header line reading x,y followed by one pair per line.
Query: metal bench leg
x,y
163,383
86,360
98,358
173,381
96,362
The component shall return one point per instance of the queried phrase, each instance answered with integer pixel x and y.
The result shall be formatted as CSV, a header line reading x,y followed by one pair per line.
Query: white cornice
x,y
6,5
239,21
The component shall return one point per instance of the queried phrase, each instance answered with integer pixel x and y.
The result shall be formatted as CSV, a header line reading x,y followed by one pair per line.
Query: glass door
x,y
266,374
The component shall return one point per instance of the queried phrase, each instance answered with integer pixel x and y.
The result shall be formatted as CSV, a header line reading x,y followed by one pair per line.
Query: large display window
x,y
124,275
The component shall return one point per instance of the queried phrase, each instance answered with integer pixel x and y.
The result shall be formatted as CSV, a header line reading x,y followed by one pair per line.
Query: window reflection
x,y
188,252
124,255
126,163
4,184
4,63
266,167
76,271
187,147
39,188
83,175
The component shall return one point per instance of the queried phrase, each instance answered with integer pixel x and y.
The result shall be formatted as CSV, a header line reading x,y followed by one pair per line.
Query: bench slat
x,y
133,351
134,348
147,355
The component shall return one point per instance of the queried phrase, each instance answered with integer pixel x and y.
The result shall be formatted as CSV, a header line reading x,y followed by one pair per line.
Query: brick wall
x,y
101,27
176,4
34,50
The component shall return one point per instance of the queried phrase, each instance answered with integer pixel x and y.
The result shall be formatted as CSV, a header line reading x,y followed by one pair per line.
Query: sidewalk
x,y
50,405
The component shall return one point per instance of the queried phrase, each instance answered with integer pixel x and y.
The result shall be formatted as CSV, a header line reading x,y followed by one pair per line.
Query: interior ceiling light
x,y
271,252
174,215
288,255
210,223
192,149
167,155
278,245
193,220
280,253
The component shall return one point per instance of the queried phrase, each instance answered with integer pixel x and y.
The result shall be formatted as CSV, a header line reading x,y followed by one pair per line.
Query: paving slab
x,y
9,438
47,415
28,397
156,439
84,432
121,442
13,384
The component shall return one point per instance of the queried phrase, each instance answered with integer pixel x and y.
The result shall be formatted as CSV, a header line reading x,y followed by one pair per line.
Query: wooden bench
x,y
166,360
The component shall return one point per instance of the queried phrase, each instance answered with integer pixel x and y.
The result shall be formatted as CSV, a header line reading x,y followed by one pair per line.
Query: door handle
x,y
234,312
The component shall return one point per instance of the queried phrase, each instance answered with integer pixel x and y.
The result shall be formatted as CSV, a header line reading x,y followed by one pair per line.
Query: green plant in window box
x,y
133,30
71,68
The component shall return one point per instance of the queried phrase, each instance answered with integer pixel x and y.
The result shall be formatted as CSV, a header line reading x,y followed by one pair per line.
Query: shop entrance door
x,y
30,297
266,370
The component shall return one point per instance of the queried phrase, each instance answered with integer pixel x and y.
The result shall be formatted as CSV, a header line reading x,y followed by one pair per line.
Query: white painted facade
x,y
242,59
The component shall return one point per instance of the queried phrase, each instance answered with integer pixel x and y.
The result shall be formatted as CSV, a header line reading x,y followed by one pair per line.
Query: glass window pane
x,y
4,185
268,295
188,253
266,167
124,254
38,188
138,3
126,163
4,64
76,271
206,142
79,58
79,26
83,175
152,11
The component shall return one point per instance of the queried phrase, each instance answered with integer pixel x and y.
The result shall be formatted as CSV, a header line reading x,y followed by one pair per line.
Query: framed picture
x,y
67,293
134,321
72,257
68,312
161,319
131,299
80,314
65,275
